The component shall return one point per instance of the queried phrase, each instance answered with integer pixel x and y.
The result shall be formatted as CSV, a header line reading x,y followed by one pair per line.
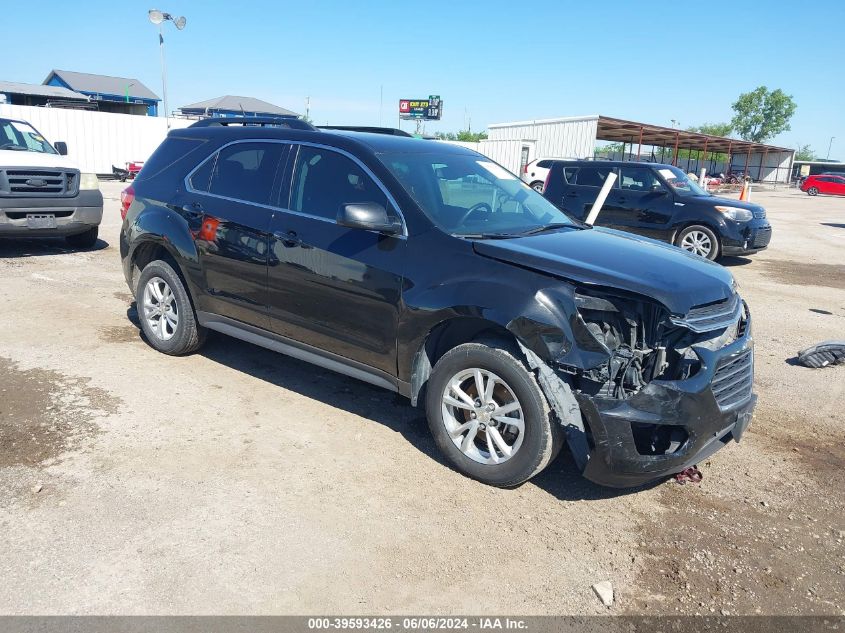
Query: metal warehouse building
x,y
515,144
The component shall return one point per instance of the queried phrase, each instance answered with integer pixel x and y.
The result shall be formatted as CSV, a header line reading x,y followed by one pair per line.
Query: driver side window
x,y
638,179
324,181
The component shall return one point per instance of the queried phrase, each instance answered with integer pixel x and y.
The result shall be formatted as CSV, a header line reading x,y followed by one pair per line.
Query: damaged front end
x,y
657,392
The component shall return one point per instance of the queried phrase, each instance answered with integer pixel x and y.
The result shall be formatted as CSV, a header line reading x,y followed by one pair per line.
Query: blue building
x,y
112,94
231,105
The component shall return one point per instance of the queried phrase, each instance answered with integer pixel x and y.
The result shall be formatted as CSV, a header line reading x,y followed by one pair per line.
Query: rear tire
x,y
538,186
813,191
83,240
489,448
165,311
699,240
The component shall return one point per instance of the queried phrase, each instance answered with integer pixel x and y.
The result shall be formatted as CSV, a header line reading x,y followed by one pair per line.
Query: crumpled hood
x,y
14,158
605,257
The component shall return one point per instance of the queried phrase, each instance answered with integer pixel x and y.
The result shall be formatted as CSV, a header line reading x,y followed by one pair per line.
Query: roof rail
x,y
291,122
392,131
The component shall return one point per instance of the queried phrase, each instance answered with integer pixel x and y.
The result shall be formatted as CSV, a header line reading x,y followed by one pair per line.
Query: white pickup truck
x,y
42,193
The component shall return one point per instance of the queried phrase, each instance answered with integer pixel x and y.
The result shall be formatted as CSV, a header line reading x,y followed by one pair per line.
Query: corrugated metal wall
x,y
573,137
776,167
97,140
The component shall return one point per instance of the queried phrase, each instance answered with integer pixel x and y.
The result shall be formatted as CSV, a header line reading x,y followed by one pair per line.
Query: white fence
x,y
97,140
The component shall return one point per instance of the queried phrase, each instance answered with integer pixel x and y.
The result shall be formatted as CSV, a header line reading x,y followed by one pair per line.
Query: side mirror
x,y
369,216
658,190
61,147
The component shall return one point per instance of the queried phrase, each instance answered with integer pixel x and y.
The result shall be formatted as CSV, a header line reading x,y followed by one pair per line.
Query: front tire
x,y
83,240
699,240
538,186
165,310
813,191
488,415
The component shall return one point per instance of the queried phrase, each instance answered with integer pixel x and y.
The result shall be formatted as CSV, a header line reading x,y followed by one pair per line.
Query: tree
x,y
762,114
805,152
713,129
464,136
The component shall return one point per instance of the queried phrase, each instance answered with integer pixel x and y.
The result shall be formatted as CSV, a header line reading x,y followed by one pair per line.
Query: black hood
x,y
604,257
724,202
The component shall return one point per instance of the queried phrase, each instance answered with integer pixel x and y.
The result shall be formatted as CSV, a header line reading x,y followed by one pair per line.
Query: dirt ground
x,y
239,481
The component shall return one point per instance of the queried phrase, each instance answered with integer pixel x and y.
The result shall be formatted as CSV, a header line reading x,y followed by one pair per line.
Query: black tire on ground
x,y
83,240
813,191
189,335
716,249
543,435
538,186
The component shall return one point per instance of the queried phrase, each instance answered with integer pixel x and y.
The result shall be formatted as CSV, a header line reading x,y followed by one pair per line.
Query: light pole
x,y
159,18
829,145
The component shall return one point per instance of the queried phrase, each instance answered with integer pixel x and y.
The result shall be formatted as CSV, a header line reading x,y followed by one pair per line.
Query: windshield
x,y
680,182
469,195
22,137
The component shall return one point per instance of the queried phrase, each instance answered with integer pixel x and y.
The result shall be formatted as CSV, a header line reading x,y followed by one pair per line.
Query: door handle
x,y
194,209
289,238
572,194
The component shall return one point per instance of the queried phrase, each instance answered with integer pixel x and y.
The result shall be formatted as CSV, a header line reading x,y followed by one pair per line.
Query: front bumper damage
x,y
663,429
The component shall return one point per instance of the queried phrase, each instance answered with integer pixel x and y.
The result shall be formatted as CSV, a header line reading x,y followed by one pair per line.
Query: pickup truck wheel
x,y
83,240
699,240
488,415
165,310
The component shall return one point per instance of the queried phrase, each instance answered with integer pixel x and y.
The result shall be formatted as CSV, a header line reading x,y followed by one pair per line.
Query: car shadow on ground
x,y
730,261
834,225
560,479
39,247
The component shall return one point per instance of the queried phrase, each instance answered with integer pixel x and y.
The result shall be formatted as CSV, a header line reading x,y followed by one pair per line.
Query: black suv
x,y
429,270
660,202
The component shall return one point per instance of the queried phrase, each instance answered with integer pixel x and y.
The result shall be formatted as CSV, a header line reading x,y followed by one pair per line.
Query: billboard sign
x,y
429,109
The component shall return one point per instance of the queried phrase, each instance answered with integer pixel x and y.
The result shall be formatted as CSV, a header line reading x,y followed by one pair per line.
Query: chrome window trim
x,y
294,144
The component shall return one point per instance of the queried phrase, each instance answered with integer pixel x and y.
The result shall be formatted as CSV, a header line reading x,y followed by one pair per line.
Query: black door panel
x,y
232,230
330,286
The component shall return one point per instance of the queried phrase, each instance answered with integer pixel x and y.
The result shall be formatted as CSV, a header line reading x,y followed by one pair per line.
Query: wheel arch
x,y
705,222
457,330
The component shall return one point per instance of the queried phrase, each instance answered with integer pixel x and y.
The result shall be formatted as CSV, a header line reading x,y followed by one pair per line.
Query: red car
x,y
814,185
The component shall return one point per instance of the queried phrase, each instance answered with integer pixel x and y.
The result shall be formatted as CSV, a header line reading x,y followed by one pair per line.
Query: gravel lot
x,y
240,481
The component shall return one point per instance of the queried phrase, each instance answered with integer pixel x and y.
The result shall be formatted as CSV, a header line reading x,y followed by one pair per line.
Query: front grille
x,y
713,316
734,380
762,238
39,183
759,214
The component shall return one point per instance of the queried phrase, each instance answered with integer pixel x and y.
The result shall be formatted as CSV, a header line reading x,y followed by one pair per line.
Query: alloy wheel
x,y
697,242
160,309
483,416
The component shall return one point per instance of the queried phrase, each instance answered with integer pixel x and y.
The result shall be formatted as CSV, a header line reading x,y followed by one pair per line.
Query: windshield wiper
x,y
549,227
486,236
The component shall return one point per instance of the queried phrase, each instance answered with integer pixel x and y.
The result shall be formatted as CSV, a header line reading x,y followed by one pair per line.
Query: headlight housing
x,y
735,213
87,182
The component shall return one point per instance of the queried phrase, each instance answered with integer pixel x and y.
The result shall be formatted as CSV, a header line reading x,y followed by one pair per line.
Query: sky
x,y
490,61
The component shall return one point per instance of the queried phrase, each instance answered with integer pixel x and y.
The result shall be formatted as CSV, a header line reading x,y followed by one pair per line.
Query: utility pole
x,y
159,18
380,103
307,108
829,145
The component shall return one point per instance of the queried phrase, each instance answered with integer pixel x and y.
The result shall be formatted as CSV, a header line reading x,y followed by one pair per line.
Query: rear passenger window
x,y
569,174
246,171
323,181
201,178
592,176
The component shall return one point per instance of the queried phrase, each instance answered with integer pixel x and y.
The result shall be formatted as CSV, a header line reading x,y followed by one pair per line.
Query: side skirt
x,y
303,351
